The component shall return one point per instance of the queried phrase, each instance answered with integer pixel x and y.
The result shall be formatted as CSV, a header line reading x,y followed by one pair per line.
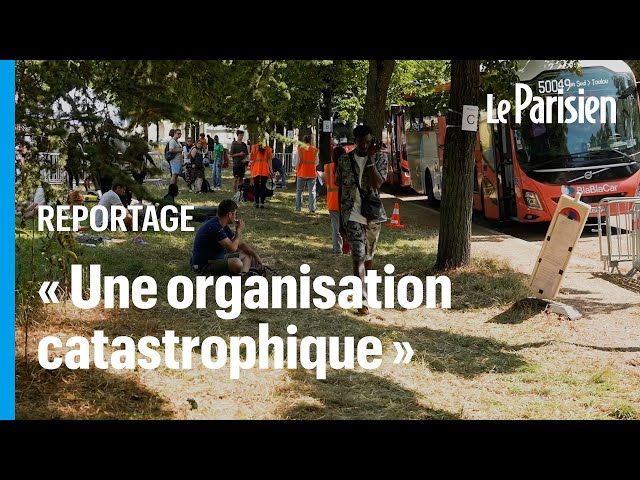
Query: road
x,y
533,233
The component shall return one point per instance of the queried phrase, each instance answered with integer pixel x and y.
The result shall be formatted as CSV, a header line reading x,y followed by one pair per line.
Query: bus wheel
x,y
428,187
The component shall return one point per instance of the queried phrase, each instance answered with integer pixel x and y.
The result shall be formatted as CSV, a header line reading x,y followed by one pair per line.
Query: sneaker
x,y
364,310
255,205
262,205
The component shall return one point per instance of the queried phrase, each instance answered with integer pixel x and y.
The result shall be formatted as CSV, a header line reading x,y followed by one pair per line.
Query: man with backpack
x,y
173,154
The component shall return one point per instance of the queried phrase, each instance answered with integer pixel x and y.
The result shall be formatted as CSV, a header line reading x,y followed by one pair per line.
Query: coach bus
x,y
521,170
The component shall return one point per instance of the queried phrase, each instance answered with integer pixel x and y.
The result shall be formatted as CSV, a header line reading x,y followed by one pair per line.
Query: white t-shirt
x,y
107,200
355,212
173,143
186,157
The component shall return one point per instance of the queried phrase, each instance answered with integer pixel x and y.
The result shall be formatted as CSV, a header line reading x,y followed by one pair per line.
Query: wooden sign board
x,y
563,234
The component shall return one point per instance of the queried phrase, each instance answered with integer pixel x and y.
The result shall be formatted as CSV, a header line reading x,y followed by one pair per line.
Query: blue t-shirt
x,y
206,246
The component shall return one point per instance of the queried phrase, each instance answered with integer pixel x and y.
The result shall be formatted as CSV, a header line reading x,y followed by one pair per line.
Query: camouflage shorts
x,y
363,239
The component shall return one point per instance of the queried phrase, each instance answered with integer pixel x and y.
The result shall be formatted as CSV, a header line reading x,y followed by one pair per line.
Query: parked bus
x,y
522,169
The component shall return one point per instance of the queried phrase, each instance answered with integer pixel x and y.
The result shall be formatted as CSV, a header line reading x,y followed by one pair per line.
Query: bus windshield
x,y
573,145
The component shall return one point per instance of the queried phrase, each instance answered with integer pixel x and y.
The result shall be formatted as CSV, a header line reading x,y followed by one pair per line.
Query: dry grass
x,y
490,356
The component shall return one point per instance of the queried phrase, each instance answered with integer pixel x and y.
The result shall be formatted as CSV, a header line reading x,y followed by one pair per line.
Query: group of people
x,y
352,179
189,161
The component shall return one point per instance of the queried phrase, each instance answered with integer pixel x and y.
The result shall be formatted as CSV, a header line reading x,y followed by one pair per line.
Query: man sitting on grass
x,y
219,251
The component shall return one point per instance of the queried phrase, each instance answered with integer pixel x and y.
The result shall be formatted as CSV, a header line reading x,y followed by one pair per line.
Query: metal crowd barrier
x,y
51,172
635,215
619,236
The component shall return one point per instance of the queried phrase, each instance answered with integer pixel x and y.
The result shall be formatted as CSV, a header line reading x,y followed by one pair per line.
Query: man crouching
x,y
218,251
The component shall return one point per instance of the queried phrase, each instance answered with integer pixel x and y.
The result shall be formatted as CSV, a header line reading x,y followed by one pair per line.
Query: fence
x,y
619,237
287,161
51,171
635,215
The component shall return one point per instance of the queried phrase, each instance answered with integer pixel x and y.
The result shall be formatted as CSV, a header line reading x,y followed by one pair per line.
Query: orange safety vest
x,y
307,166
260,161
332,188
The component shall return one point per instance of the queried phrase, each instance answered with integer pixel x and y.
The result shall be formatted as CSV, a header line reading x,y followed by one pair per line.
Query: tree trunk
x,y
325,137
288,148
375,106
454,243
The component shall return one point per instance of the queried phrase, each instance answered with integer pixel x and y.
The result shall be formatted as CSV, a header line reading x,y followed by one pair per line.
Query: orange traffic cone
x,y
395,218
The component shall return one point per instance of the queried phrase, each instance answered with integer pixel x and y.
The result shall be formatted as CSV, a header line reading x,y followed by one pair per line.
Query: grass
x,y
490,356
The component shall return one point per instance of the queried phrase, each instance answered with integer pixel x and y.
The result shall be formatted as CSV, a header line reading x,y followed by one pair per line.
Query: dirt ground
x,y
609,303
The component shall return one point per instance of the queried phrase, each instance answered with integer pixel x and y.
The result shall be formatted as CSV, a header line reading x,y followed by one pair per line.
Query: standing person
x,y
138,152
196,164
260,172
363,169
239,153
75,157
333,203
216,154
305,159
219,251
203,144
176,149
187,166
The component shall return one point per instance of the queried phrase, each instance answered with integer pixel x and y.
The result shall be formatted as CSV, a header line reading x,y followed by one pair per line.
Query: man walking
x,y
362,170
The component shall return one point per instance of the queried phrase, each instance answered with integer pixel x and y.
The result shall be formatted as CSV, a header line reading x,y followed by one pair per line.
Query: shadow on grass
x,y
462,355
520,311
82,394
349,395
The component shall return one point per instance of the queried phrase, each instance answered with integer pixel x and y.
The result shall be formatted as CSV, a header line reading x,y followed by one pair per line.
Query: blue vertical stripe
x,y
7,240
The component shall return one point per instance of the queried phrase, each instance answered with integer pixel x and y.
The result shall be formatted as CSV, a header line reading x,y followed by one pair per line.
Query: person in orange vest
x,y
305,161
333,203
260,171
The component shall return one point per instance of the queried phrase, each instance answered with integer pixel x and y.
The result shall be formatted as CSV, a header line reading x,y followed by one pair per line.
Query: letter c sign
x,y
470,118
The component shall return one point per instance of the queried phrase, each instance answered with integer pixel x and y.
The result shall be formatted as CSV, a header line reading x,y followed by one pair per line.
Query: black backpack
x,y
206,186
167,156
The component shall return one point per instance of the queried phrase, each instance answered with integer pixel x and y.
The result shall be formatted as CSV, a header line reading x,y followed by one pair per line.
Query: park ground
x,y
491,356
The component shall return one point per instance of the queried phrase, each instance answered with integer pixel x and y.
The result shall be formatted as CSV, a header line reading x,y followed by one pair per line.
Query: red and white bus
x,y
521,170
